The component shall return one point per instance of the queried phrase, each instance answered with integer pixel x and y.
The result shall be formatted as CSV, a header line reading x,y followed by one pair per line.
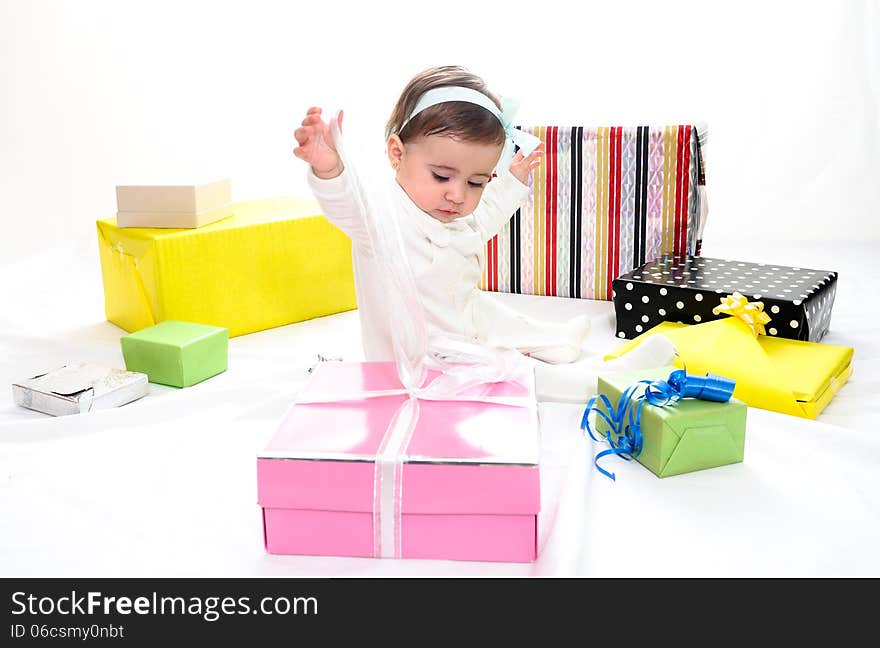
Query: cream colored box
x,y
171,206
183,220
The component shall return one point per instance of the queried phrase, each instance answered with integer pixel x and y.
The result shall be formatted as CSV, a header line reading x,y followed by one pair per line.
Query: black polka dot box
x,y
686,289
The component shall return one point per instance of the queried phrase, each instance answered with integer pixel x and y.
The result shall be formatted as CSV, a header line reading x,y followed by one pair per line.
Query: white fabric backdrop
x,y
102,92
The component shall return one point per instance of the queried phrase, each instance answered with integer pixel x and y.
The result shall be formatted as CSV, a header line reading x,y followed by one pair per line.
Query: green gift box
x,y
689,435
176,353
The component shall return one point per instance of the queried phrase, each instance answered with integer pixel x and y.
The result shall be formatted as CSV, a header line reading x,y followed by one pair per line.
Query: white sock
x,y
576,383
570,336
555,355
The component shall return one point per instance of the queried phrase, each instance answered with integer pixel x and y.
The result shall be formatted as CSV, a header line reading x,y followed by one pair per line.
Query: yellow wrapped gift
x,y
273,262
788,376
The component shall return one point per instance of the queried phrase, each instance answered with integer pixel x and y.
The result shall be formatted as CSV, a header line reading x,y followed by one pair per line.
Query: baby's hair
x,y
459,119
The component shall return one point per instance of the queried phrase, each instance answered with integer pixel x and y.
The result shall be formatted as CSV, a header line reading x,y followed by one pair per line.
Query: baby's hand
x,y
521,166
316,144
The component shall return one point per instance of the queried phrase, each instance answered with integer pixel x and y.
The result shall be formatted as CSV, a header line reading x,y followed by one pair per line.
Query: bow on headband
x,y
752,313
525,141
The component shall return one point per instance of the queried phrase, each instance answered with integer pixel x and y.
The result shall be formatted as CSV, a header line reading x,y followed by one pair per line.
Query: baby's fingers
x,y
539,151
534,158
302,135
312,119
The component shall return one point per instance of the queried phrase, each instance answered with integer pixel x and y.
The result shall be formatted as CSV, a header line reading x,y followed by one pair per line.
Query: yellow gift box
x,y
789,376
273,262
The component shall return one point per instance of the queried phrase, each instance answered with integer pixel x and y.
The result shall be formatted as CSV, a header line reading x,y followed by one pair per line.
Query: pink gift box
x,y
468,477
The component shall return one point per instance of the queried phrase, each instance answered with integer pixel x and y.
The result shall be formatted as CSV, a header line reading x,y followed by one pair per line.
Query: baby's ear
x,y
395,148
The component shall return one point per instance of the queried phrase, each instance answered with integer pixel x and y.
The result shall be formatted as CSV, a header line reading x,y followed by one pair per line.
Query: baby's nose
x,y
455,194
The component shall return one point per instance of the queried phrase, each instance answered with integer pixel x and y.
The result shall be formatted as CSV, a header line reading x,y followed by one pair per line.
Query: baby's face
x,y
445,177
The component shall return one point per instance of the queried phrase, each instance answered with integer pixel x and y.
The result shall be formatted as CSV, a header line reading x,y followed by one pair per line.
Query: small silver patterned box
x,y
81,387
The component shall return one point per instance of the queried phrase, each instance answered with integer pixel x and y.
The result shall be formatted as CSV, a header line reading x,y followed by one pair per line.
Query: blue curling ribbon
x,y
625,422
710,387
625,435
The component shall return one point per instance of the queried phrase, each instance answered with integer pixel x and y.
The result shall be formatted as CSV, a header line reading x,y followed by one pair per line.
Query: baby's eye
x,y
439,178
476,184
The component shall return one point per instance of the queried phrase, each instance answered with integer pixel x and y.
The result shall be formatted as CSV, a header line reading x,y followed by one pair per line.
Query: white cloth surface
x,y
166,486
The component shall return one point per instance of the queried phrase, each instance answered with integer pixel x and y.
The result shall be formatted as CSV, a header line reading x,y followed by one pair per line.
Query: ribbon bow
x,y
681,384
625,422
752,313
525,141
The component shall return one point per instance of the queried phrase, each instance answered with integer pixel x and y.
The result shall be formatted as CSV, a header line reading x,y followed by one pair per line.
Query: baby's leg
x,y
500,326
576,383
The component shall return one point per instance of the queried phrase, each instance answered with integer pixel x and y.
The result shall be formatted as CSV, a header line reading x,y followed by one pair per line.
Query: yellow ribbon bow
x,y
752,313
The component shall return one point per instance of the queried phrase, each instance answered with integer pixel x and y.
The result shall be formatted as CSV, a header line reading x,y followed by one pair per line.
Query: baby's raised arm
x,y
341,197
505,194
316,144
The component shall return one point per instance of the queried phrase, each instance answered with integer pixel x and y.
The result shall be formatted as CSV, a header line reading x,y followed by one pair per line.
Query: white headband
x,y
525,141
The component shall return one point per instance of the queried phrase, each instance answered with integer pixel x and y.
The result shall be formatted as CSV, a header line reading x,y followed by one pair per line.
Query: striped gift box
x,y
604,201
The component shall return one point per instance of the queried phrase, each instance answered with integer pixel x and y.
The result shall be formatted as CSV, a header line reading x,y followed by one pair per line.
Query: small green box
x,y
687,436
175,353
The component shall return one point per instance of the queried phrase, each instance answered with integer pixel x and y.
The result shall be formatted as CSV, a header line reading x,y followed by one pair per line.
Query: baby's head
x,y
445,154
